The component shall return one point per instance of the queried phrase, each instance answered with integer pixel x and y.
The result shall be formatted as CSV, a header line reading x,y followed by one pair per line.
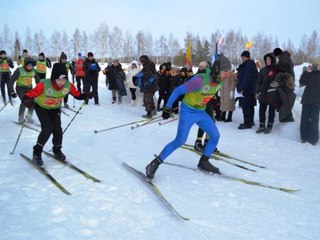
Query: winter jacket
x,y
285,64
164,78
285,85
226,102
149,70
115,75
265,77
311,94
91,70
131,73
247,74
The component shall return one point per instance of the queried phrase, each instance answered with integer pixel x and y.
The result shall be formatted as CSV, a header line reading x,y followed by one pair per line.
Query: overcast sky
x,y
282,18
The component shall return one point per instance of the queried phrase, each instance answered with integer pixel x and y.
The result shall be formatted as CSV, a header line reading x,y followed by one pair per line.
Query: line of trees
x,y
109,43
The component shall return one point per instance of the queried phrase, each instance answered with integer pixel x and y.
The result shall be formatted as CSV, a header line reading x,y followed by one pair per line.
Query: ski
x,y
154,188
219,159
236,179
27,126
46,173
230,157
70,165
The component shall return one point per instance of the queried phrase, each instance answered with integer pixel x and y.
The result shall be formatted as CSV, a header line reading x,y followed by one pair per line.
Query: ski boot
x,y
198,146
37,159
57,153
152,167
148,115
205,165
268,129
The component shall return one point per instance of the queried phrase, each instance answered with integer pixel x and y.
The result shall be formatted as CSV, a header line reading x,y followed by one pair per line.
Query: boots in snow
x,y
152,167
205,165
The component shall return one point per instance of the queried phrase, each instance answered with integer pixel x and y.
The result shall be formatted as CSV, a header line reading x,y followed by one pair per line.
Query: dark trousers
x,y
148,101
50,123
247,104
21,91
78,79
133,93
262,113
5,77
42,75
88,84
309,125
163,95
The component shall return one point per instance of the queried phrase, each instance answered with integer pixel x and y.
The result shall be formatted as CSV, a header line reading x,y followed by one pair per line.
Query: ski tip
x,y
288,190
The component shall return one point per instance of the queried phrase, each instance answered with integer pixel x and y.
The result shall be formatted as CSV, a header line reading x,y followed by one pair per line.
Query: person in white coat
x,y
133,69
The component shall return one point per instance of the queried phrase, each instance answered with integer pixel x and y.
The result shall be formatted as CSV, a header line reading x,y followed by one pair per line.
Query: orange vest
x,y
79,68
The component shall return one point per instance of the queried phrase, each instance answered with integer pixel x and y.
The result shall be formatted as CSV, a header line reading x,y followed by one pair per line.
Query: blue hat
x,y
79,55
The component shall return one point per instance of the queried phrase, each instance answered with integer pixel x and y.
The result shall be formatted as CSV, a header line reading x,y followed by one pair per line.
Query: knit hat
x,y
224,64
79,55
59,71
3,52
29,60
277,51
63,56
90,54
41,54
25,51
245,54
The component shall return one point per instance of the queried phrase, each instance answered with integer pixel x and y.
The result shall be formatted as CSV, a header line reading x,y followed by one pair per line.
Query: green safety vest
x,y
22,61
4,66
199,99
25,78
67,66
51,98
41,66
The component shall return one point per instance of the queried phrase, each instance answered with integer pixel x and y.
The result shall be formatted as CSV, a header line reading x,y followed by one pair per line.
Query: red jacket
x,y
79,68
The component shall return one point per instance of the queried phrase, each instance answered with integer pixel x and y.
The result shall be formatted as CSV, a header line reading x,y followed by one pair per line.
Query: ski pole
x,y
123,125
64,112
171,120
142,125
14,148
74,117
4,106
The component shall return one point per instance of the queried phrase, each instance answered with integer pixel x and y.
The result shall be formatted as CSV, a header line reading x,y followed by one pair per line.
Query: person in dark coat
x,y
116,78
309,125
265,77
164,80
91,69
149,84
285,65
5,73
247,74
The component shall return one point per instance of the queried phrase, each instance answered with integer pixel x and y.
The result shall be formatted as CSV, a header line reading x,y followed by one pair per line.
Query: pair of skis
x,y
44,171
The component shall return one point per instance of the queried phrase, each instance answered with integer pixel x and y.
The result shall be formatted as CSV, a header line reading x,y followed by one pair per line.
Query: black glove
x,y
28,102
166,113
13,94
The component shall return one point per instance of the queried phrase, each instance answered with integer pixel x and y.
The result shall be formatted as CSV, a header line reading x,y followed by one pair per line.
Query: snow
x,y
122,207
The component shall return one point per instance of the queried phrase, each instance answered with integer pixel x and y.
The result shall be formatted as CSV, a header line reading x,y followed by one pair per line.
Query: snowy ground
x,y
121,207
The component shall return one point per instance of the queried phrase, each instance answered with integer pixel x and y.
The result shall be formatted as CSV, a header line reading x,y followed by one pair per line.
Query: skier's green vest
x,y
25,78
51,98
4,66
199,99
41,66
67,66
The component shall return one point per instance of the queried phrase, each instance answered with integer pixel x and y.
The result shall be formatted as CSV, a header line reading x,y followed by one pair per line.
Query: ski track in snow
x,y
122,207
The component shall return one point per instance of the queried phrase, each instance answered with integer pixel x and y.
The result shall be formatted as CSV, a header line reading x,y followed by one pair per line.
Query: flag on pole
x,y
221,40
249,44
189,54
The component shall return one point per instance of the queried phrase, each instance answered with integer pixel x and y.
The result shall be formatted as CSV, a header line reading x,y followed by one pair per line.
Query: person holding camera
x,y
309,124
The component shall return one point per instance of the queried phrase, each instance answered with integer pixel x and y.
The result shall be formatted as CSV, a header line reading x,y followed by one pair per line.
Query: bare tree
x,y
28,40
312,46
76,42
128,49
84,42
116,43
173,46
148,44
101,38
56,44
163,48
5,39
17,46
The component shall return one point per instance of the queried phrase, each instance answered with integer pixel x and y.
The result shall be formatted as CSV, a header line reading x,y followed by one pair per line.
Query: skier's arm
x,y
48,63
304,79
13,78
10,63
37,91
78,95
194,84
36,77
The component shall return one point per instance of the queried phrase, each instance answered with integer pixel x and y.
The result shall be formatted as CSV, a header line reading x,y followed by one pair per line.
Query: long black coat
x,y
247,73
285,64
311,94
265,77
115,75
